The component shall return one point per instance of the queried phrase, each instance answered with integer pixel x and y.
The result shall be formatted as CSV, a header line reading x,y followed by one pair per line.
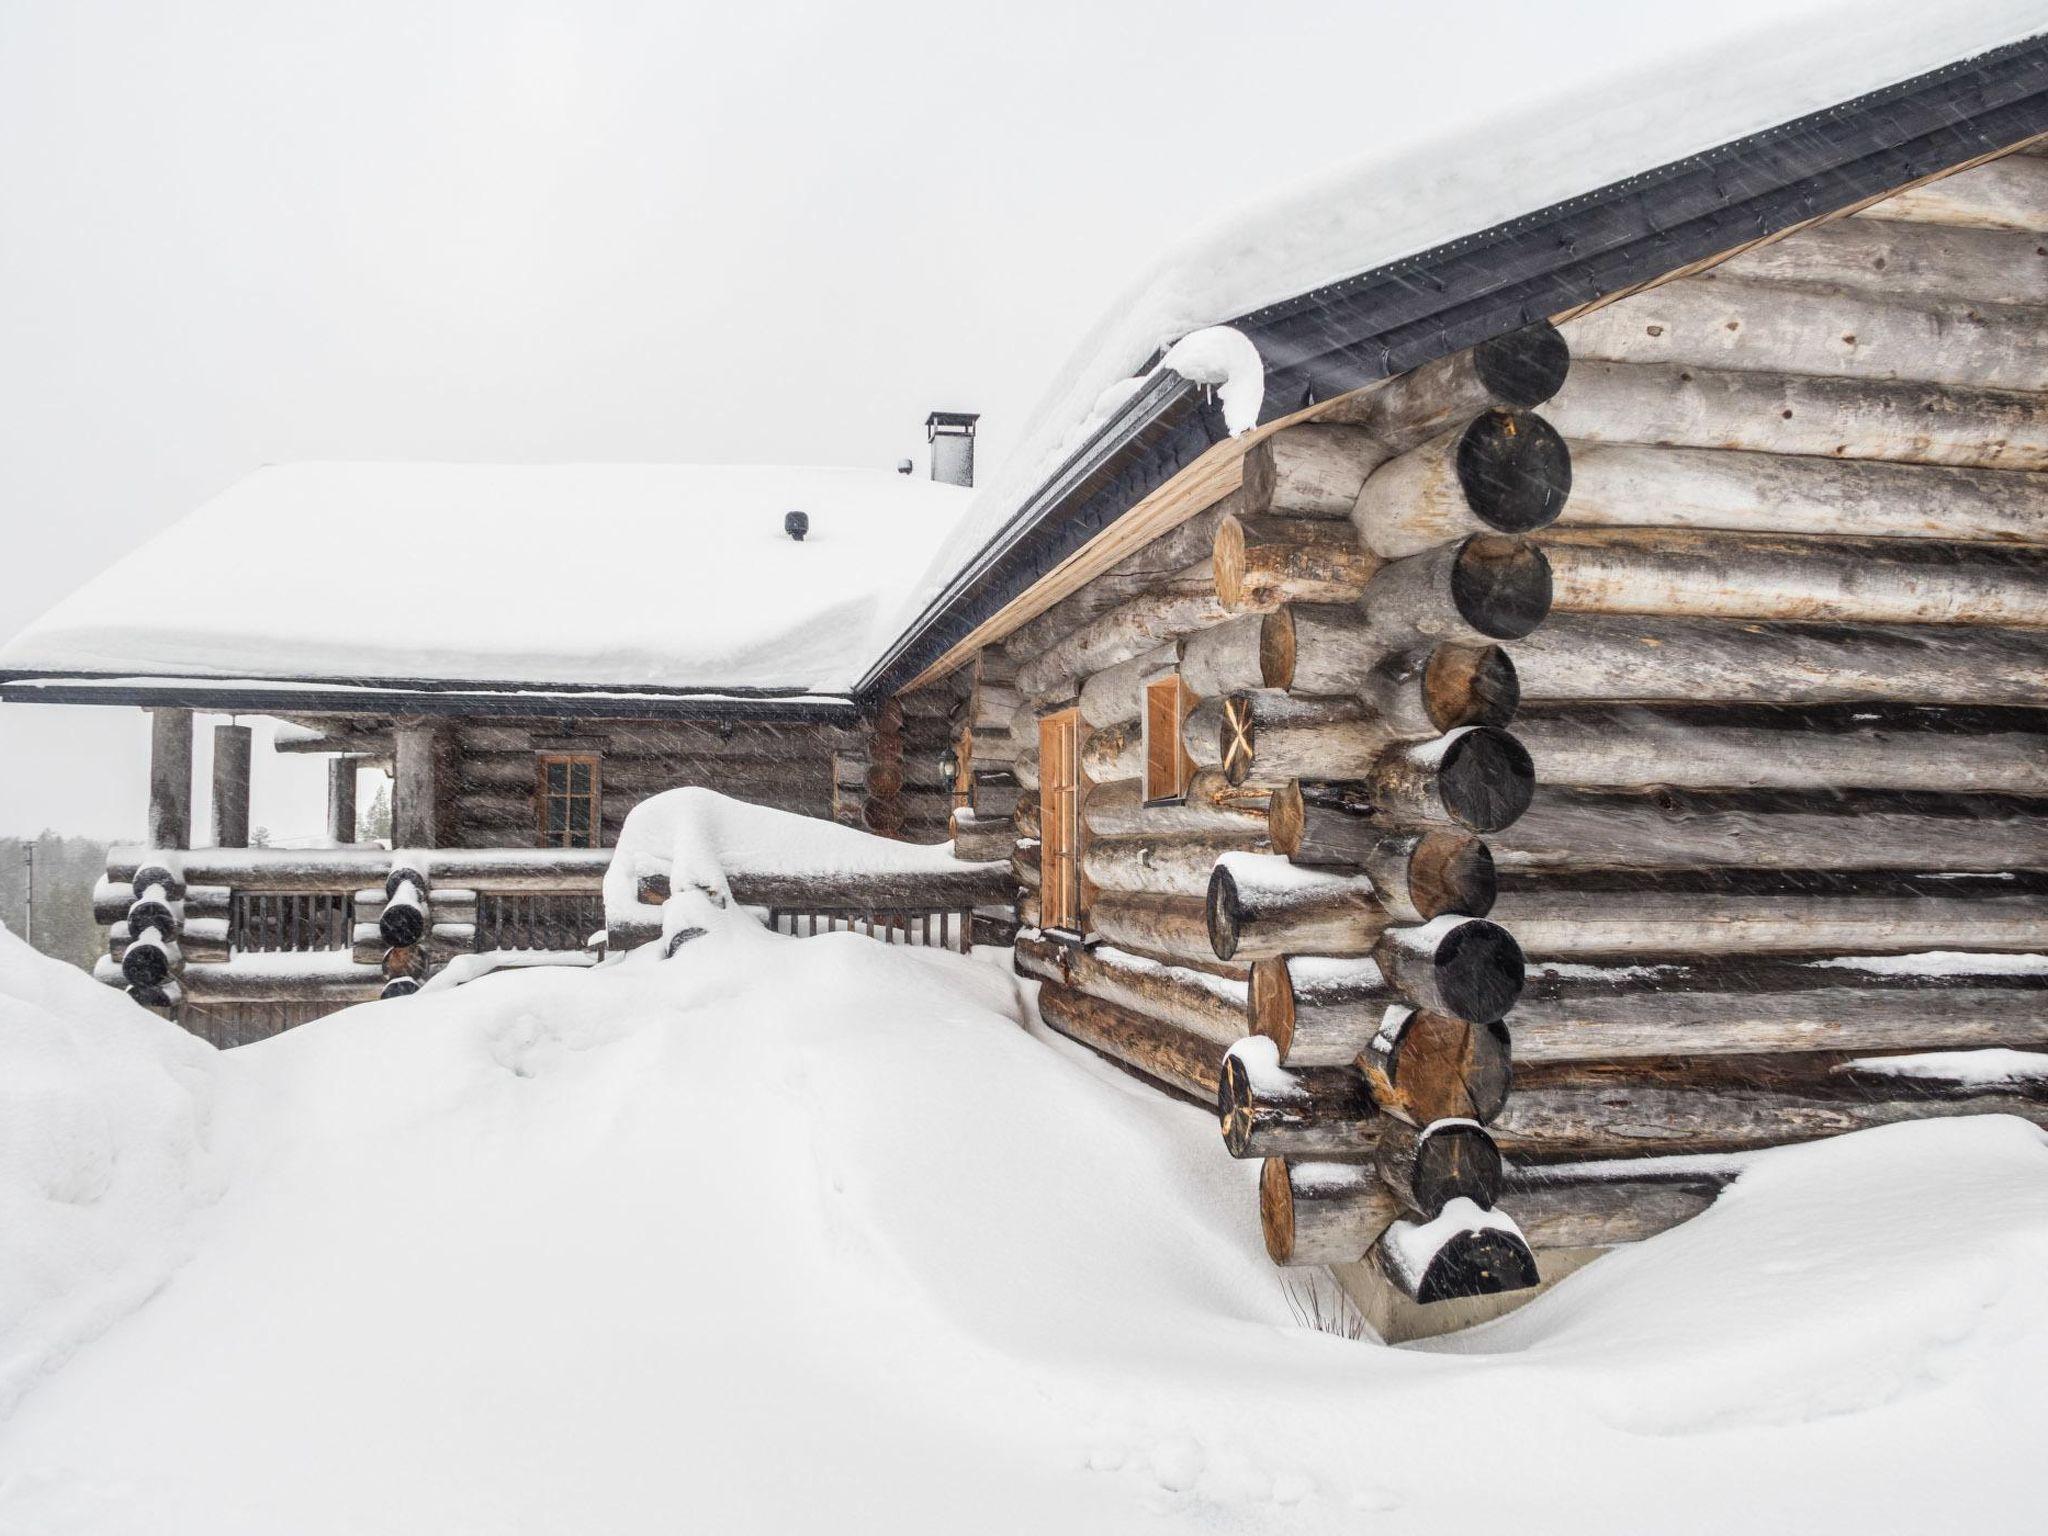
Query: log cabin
x,y
1543,702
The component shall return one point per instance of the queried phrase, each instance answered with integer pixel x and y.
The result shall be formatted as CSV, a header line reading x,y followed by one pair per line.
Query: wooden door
x,y
1059,819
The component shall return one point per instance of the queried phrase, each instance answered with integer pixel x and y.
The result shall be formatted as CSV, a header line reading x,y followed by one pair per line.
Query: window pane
x,y
579,778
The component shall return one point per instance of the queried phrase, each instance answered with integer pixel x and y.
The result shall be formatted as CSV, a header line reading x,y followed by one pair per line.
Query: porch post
x,y
170,778
341,798
414,786
231,753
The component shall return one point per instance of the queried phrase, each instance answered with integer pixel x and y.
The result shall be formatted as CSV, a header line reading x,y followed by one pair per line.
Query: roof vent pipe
x,y
796,525
904,466
951,434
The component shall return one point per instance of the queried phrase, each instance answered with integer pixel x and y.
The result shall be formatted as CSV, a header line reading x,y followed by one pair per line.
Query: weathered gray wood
x,y
1176,866
1260,908
1269,1110
1418,875
417,785
170,778
1579,656
1474,590
1681,406
1170,928
1623,485
2010,192
1888,256
232,745
1210,1006
1639,746
1697,574
1520,370
1728,323
1212,805
1117,693
1113,752
1564,924
1314,1211
1179,1058
1128,630
341,798
1223,658
1314,469
982,838
1319,651
1318,1011
1505,472
1664,828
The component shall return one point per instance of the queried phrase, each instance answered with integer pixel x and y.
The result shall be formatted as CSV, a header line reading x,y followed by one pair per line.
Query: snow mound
x,y
810,1227
104,1112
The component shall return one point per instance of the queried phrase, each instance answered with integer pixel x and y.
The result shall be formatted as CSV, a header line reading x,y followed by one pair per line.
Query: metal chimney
x,y
951,434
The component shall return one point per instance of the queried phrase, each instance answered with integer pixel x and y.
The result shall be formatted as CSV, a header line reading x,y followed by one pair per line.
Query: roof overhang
x,y
1545,265
271,696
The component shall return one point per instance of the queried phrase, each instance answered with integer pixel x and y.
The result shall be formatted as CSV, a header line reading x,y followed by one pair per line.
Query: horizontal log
x,y
1268,1110
995,799
2010,192
1761,576
1728,323
1261,562
1887,256
1266,738
1313,1211
501,771
1261,906
746,738
1425,1067
1520,370
326,979
1429,1166
1464,967
1212,805
1224,658
1503,472
1474,590
1730,1104
1563,924
1114,752
1181,1060
1313,469
1026,864
994,704
1127,630
1176,866
982,838
1212,1007
1117,694
1663,828
1675,405
1318,1012
1170,928
1418,875
1581,656
967,885
1658,1017
1640,746
1322,651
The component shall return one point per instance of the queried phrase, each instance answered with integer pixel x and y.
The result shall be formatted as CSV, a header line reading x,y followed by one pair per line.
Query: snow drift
x,y
794,1234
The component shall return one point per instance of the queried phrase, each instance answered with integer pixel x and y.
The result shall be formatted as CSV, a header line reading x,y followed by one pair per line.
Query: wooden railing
x,y
944,928
537,919
273,922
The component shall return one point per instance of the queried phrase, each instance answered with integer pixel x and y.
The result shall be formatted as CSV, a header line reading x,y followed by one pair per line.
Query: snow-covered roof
x,y
1427,186
635,578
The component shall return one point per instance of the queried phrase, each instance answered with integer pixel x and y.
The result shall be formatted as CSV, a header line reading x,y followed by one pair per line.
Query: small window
x,y
1167,764
1059,820
570,806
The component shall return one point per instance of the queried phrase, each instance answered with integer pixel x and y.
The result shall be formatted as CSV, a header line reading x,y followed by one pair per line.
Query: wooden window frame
x,y
542,761
1059,821
1183,768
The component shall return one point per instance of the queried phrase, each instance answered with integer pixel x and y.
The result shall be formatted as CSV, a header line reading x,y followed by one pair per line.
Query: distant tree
x,y
259,837
66,869
373,821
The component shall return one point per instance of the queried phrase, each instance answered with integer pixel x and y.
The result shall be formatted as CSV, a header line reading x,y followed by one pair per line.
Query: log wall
x,y
1588,731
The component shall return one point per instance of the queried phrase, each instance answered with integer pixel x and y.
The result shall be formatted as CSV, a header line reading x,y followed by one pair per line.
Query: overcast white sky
x,y
237,233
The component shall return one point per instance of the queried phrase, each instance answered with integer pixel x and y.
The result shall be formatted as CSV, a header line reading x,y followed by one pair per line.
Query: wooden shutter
x,y
1167,764
1059,819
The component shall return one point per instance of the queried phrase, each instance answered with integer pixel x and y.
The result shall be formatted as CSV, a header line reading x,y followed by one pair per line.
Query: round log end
x,y
1223,913
153,997
400,927
152,914
1523,368
147,875
145,965
1229,562
1486,779
1236,740
1515,471
1270,1001
1276,649
402,986
406,960
1470,685
1479,970
1501,586
1485,1262
1453,1160
1450,872
1234,1107
1260,477
401,876
1276,1210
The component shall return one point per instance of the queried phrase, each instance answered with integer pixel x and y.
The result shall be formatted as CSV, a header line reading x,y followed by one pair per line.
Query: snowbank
x,y
823,1233
601,575
104,1115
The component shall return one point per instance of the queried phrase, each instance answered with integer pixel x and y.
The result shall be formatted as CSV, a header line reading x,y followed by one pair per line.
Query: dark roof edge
x,y
421,697
1345,335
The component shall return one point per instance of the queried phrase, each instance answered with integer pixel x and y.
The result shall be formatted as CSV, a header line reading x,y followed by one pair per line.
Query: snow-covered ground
x,y
804,1234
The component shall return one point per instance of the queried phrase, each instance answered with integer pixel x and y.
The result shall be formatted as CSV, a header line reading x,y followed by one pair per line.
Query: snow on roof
x,y
599,575
1466,168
